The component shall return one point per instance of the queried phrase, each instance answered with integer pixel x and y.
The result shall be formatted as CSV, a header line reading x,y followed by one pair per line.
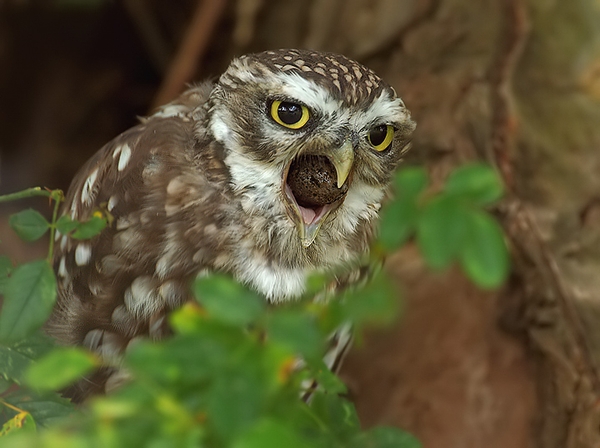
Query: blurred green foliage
x,y
231,374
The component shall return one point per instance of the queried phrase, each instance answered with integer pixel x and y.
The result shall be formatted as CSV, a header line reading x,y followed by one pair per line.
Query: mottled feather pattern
x,y
200,187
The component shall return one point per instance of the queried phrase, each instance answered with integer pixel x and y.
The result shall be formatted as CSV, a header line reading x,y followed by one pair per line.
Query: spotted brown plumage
x,y
202,186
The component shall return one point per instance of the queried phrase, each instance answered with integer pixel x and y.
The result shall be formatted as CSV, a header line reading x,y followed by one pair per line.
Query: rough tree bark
x,y
514,83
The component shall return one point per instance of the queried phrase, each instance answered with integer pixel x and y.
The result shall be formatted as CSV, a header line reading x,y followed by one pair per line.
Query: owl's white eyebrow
x,y
313,95
385,109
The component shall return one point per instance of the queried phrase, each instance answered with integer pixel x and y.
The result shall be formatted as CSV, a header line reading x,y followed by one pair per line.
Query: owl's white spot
x,y
63,243
109,265
156,326
87,192
172,293
123,320
276,283
124,157
171,257
112,203
116,380
342,337
152,168
93,339
117,151
171,110
95,287
128,241
287,58
62,267
337,84
357,73
124,222
83,254
299,62
141,298
133,342
163,266
110,348
175,186
74,208
319,70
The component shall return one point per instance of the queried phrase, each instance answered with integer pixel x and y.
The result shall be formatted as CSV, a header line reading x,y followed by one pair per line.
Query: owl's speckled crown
x,y
353,82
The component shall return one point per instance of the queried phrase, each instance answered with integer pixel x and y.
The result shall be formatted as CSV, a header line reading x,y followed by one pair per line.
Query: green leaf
x,y
60,368
29,224
28,300
329,382
484,255
65,224
397,223
6,268
228,301
88,229
477,183
46,408
398,218
297,331
232,417
377,302
269,433
410,182
441,230
16,358
338,413
385,437
23,421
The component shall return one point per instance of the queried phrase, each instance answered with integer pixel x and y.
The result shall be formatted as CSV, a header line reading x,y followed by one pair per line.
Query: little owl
x,y
272,173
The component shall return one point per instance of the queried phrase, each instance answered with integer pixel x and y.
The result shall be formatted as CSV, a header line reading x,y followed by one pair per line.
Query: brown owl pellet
x,y
313,180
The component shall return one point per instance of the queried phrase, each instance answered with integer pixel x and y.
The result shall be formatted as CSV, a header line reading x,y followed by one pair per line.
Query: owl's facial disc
x,y
315,185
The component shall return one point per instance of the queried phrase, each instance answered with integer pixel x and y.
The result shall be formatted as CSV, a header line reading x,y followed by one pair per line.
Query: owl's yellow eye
x,y
290,115
380,137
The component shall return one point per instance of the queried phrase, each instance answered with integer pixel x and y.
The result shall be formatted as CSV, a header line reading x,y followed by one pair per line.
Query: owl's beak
x,y
342,159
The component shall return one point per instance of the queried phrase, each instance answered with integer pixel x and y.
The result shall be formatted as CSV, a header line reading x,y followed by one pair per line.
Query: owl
x,y
272,173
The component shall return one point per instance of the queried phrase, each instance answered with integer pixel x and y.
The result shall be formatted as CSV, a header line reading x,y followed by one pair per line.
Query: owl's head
x,y
311,139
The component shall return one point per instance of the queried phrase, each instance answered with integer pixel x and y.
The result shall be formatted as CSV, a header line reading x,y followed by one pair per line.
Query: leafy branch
x,y
230,376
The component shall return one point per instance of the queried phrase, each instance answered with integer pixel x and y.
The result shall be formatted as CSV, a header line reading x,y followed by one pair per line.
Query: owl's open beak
x,y
315,186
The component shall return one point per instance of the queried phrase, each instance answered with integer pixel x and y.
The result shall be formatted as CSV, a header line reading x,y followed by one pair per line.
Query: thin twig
x,y
194,44
502,72
29,193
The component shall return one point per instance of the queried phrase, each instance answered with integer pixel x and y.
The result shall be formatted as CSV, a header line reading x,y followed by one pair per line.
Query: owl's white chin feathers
x,y
308,219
